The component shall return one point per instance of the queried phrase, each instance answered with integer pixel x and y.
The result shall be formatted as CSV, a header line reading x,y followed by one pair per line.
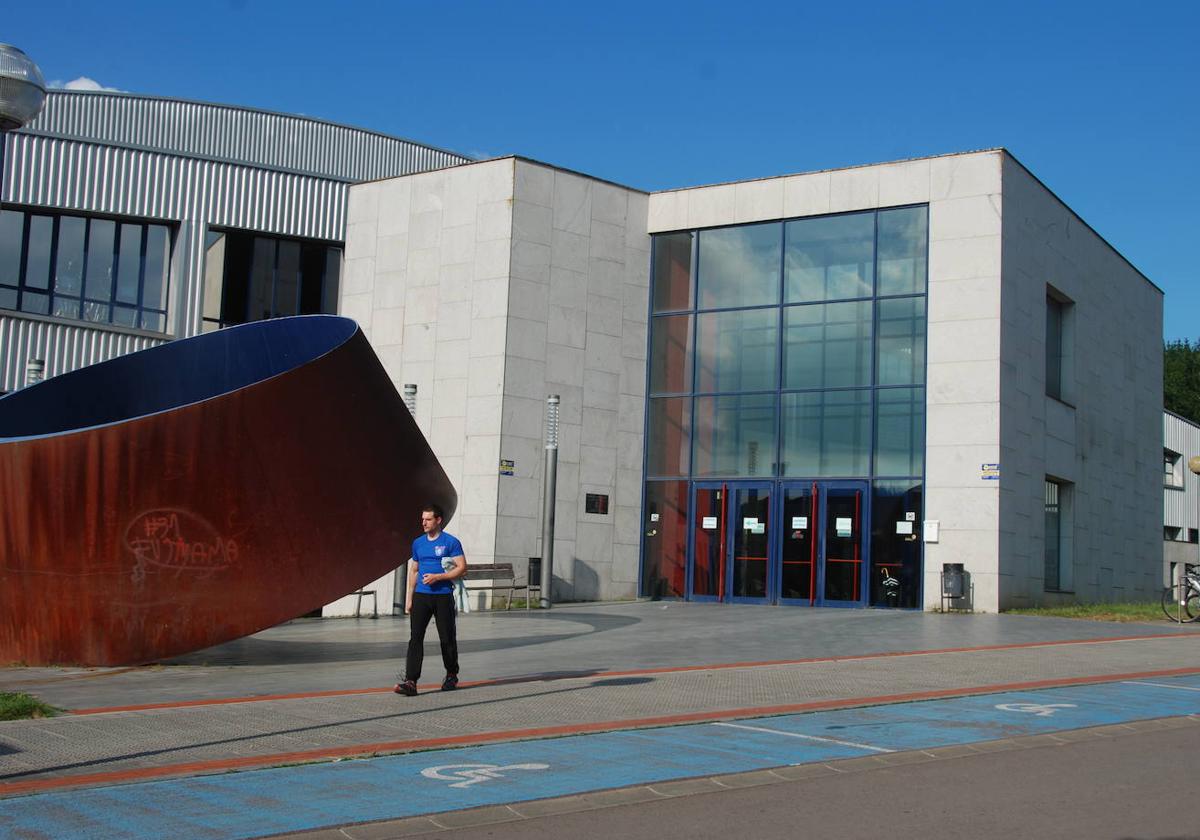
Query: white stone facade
x,y
494,284
1105,435
491,286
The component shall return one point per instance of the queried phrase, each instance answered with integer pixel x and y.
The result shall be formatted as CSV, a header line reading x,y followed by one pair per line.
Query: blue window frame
x,y
87,268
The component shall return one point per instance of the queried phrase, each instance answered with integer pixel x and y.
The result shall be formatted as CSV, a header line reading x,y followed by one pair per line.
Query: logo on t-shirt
x,y
439,550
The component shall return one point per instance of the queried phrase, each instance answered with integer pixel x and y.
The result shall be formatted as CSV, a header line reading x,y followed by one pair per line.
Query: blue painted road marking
x,y
253,803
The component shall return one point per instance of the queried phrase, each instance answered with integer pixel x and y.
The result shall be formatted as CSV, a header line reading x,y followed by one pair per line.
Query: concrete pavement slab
x,y
313,655
121,746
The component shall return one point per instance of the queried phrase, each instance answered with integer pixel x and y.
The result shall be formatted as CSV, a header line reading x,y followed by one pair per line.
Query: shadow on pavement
x,y
255,650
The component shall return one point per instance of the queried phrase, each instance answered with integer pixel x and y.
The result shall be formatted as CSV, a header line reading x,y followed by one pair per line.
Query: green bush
x,y
15,706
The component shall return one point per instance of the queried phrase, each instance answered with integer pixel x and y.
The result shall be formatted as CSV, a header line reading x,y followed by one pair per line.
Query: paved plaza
x,y
319,690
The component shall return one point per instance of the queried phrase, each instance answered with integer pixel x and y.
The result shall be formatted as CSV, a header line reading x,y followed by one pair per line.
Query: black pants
x,y
441,609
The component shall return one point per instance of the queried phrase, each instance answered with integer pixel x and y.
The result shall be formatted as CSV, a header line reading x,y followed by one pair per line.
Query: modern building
x,y
1181,495
816,389
130,220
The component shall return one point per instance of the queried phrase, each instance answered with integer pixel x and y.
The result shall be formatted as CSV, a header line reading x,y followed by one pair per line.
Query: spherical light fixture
x,y
22,88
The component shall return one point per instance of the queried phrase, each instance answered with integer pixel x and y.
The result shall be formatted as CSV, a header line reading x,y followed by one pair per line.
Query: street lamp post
x,y
22,95
548,499
1194,466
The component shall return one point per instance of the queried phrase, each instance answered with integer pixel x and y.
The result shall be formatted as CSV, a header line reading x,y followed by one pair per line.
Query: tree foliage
x,y
1181,378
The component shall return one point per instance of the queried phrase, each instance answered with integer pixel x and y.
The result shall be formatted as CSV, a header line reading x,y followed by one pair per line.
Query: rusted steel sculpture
x,y
199,491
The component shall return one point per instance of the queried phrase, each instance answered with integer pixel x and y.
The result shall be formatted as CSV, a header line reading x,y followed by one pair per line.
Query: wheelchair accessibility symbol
x,y
1039,709
463,775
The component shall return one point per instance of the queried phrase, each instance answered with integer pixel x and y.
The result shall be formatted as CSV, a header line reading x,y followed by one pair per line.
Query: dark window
x,y
1172,469
85,268
1059,311
248,277
1056,555
596,503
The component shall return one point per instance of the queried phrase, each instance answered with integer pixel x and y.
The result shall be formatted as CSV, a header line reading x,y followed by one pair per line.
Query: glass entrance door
x,y
731,542
750,547
798,546
843,550
706,571
823,544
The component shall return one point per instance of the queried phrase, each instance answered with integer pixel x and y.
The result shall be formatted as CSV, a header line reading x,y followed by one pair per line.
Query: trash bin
x,y
953,580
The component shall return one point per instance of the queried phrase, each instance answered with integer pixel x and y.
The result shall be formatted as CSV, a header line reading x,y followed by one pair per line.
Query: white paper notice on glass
x,y
904,527
709,523
654,517
799,523
843,526
910,516
930,529
749,523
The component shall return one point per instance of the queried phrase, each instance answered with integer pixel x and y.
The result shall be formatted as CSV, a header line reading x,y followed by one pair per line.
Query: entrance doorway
x,y
789,542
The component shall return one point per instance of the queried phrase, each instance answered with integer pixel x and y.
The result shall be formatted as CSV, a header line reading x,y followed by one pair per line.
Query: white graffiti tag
x,y
1039,709
470,774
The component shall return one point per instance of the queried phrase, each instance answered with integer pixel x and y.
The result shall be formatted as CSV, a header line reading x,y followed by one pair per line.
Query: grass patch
x,y
1136,611
16,706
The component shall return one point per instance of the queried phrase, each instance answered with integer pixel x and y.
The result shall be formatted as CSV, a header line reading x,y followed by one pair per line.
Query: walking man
x,y
431,595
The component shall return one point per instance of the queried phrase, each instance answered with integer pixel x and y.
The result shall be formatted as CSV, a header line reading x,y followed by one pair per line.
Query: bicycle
x,y
1181,602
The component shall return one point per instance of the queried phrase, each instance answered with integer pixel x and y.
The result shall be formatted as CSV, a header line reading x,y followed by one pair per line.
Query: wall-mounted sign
x,y
507,467
596,503
654,517
930,529
709,523
799,523
910,516
989,472
843,526
749,523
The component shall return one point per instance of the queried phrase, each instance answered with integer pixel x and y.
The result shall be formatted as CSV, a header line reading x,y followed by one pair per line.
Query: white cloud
x,y
82,83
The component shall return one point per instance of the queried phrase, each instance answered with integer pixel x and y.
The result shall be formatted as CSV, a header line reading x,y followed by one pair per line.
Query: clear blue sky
x,y
1100,100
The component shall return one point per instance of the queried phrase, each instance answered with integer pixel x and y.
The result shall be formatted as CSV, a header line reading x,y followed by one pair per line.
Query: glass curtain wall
x,y
790,350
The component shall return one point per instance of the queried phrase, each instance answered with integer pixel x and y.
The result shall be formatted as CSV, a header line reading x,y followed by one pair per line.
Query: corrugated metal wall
x,y
1179,506
193,165
70,175
240,135
63,347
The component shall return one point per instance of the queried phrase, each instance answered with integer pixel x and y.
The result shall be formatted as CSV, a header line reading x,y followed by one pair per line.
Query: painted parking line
x,y
290,799
1164,685
867,747
361,750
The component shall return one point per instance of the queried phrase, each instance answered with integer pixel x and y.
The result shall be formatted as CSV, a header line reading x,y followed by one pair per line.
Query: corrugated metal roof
x,y
233,134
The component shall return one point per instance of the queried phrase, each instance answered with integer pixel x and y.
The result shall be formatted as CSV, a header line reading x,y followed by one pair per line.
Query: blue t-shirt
x,y
429,555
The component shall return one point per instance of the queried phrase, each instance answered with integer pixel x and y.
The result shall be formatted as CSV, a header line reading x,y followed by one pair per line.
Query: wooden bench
x,y
501,576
